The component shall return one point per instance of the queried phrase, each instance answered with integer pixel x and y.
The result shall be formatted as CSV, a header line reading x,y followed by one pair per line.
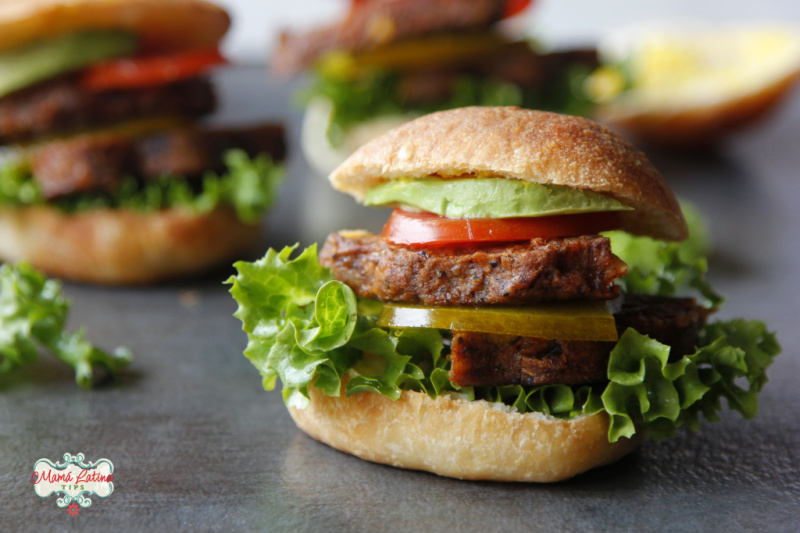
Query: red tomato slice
x,y
428,229
515,7
131,73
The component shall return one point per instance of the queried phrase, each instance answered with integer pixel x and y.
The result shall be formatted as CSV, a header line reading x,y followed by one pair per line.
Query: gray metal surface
x,y
198,445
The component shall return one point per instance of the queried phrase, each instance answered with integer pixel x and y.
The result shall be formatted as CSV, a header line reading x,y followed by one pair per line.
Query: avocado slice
x,y
38,61
488,198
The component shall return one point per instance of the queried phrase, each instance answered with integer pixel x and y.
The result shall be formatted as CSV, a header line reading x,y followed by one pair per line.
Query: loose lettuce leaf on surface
x,y
33,314
250,185
305,328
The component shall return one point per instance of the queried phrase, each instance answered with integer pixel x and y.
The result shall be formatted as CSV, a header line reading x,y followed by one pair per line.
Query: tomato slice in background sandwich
x,y
515,7
150,71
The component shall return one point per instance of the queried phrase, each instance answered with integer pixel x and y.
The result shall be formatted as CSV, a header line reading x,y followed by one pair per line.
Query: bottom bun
x,y
120,246
459,438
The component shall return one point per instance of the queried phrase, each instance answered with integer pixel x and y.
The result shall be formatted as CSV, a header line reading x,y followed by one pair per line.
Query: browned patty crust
x,y
480,359
99,162
516,274
514,63
487,359
63,106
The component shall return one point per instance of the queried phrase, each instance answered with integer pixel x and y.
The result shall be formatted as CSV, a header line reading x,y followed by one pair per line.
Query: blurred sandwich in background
x,y
105,175
389,61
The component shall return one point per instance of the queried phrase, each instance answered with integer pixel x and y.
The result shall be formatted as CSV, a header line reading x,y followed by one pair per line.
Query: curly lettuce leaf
x,y
646,390
307,329
667,268
250,185
304,327
33,313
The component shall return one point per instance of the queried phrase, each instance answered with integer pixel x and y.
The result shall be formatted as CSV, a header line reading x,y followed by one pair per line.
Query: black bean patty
x,y
564,268
62,106
489,359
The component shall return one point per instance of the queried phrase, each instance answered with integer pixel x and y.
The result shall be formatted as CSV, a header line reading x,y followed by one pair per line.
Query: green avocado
x,y
488,198
38,61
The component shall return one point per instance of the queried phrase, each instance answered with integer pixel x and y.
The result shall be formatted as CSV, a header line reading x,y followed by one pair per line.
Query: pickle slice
x,y
428,52
431,51
584,321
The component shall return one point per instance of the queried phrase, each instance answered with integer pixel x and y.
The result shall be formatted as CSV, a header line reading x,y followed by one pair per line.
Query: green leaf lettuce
x,y
667,268
33,314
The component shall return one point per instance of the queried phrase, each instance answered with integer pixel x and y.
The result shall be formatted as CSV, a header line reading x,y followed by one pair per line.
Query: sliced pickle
x,y
431,51
428,52
581,321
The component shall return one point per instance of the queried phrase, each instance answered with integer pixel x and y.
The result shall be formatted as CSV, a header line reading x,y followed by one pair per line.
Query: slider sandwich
x,y
388,61
492,331
105,174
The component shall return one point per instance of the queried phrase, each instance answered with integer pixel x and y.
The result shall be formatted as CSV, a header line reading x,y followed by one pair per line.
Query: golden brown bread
x,y
523,144
160,24
461,439
121,247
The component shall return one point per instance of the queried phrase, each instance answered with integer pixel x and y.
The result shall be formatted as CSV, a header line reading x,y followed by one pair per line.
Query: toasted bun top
x,y
161,24
523,144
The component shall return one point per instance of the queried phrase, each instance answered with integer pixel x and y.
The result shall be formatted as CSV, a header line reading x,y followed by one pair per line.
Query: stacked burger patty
x,y
99,163
489,272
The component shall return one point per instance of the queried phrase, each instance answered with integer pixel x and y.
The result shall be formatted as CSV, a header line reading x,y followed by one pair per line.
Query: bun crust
x,y
523,144
460,439
160,24
122,247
